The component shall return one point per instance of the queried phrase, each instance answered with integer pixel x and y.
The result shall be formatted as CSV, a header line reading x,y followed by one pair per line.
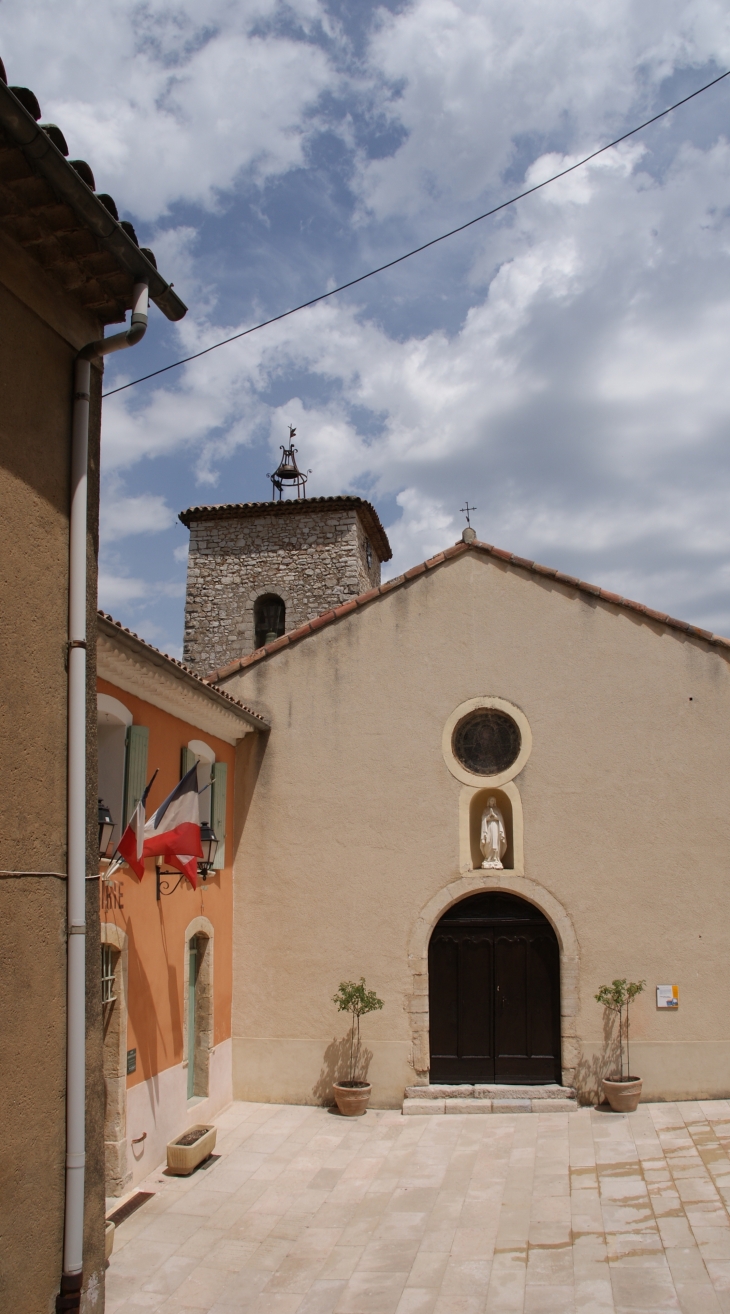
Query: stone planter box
x,y
184,1158
109,1230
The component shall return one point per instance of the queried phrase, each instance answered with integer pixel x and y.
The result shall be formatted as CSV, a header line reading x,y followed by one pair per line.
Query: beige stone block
x,y
417,1300
511,1106
372,1293
412,1107
468,1106
698,1298
554,1106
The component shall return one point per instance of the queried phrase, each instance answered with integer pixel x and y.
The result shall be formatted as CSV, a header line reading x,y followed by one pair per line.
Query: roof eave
x,y
127,639
229,511
459,549
73,191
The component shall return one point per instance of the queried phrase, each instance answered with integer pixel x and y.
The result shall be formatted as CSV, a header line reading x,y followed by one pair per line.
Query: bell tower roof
x,y
297,506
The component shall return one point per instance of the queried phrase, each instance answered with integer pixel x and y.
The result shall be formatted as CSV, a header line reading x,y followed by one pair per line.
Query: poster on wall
x,y
667,996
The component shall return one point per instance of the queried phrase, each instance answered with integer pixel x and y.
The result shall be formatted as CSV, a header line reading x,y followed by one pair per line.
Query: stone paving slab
x,y
302,1211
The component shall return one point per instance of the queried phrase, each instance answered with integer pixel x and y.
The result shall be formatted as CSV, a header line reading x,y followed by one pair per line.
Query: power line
x,y
323,296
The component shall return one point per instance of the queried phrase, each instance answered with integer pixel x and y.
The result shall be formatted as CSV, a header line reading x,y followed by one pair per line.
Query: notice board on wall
x,y
667,996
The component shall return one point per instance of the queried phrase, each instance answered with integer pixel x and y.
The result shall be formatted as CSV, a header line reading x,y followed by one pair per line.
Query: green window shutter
x,y
135,768
218,811
187,760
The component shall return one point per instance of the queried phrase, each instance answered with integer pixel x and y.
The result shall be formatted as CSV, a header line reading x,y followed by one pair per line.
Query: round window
x,y
487,742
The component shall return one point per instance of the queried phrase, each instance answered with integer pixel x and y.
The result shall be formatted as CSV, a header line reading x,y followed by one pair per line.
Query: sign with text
x,y
667,996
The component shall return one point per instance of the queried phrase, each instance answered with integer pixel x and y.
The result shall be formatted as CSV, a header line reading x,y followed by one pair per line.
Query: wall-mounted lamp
x,y
209,845
106,828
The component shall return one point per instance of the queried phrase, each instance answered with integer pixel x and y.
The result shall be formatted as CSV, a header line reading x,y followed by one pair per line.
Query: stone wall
x,y
313,559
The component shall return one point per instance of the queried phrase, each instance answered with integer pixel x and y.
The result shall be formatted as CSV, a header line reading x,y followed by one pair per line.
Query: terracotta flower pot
x,y
623,1096
352,1097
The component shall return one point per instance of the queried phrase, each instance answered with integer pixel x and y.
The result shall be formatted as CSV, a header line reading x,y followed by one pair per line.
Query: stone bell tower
x,y
257,570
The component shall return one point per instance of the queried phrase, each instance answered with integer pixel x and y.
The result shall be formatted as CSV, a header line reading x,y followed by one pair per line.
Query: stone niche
x,y
477,804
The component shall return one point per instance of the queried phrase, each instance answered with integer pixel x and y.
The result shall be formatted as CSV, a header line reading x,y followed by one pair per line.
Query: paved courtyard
x,y
305,1212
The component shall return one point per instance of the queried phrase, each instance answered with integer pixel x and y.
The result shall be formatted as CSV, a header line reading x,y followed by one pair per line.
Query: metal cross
x,y
466,509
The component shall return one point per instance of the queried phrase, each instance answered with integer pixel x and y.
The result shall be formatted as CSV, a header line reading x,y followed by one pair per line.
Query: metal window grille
x,y
107,974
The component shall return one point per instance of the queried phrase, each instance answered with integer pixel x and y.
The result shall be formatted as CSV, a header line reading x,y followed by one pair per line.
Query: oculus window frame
x,y
460,714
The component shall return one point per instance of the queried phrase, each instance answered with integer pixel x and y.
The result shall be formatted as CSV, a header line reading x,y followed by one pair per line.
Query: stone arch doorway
x,y
494,993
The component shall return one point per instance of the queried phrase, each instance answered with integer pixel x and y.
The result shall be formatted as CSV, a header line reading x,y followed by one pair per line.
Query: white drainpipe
x,y
73,1239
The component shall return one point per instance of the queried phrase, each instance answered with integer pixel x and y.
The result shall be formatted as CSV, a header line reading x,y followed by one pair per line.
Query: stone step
x,y
438,1099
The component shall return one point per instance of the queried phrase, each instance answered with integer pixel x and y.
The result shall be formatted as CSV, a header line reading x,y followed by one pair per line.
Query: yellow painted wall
x,y
351,825
41,331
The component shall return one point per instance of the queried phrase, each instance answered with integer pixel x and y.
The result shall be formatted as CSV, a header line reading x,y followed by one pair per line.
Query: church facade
x,y
488,789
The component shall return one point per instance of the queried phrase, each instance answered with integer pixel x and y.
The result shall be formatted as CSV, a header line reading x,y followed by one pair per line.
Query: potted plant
x,y
622,1092
353,997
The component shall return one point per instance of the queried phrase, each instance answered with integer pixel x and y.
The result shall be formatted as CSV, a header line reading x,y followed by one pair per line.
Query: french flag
x,y
173,833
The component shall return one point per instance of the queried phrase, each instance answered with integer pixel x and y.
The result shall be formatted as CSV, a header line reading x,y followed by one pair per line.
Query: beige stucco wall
x,y
40,332
350,840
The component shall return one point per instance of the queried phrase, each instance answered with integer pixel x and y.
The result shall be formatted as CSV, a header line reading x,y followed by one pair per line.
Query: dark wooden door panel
x,y
511,996
460,1005
443,970
494,994
475,996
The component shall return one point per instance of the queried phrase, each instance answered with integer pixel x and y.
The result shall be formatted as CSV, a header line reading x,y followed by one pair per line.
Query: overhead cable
x,y
323,296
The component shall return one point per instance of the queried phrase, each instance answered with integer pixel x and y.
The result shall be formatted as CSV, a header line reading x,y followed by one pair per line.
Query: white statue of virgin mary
x,y
493,837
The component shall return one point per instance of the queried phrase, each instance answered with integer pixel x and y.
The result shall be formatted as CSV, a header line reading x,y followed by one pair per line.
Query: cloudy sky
x,y
565,366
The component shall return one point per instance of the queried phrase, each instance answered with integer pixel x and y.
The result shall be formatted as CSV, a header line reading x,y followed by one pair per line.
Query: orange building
x,y
166,948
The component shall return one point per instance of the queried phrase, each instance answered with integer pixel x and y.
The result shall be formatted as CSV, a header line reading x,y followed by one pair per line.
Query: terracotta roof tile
x,y
318,621
485,549
49,207
110,623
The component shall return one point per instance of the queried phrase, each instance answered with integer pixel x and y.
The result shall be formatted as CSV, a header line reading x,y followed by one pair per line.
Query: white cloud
x,y
580,405
145,514
582,402
170,101
116,590
476,79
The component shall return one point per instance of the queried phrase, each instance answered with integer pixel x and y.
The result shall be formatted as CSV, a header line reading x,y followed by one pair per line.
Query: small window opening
x,y
269,618
368,553
107,974
200,1015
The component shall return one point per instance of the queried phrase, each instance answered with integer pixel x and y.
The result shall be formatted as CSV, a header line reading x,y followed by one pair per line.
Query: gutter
x,y
47,160
69,1297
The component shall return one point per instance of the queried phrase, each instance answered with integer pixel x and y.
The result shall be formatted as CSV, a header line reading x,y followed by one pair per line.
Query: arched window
x,y
212,784
114,726
269,618
198,1006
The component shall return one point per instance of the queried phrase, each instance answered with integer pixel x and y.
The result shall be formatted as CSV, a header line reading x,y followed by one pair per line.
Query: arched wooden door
x,y
494,993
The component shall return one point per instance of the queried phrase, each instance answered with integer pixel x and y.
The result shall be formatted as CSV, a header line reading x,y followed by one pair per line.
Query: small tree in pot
x,y
623,1094
353,997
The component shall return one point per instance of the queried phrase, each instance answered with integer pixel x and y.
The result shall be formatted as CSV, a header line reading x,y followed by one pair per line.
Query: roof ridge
x,y
105,615
571,581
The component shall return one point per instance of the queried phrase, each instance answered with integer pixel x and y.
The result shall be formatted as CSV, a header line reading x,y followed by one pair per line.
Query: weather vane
x,y
288,472
466,509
